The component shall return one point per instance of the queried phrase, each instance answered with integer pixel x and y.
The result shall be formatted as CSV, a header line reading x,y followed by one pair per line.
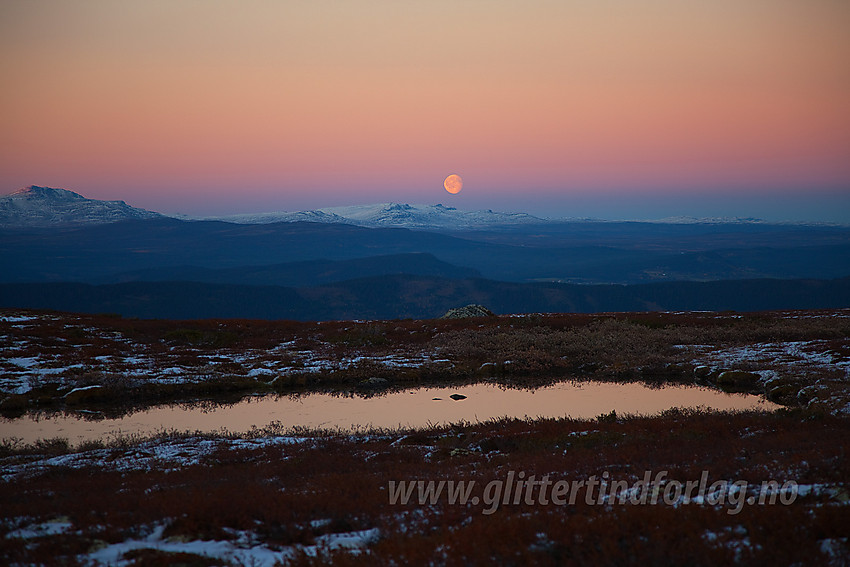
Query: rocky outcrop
x,y
471,310
738,379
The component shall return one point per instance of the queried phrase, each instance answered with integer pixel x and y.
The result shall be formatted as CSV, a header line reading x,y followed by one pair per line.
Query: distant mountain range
x,y
45,206
60,250
35,206
394,215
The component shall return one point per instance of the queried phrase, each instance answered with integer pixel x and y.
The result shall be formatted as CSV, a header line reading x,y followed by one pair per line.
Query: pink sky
x,y
600,108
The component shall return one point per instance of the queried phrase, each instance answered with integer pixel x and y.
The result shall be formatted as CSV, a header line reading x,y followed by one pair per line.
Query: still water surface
x,y
409,408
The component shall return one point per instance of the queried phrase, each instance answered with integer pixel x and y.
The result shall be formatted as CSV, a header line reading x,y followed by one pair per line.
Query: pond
x,y
419,407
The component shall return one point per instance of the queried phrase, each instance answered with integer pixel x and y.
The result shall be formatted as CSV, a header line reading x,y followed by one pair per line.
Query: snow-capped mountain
x,y
395,215
35,206
427,216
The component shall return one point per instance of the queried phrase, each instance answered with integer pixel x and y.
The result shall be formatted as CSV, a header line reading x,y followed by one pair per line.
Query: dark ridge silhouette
x,y
420,297
306,273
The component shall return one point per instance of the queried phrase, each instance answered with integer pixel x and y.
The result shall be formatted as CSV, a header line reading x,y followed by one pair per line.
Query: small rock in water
x,y
457,397
436,398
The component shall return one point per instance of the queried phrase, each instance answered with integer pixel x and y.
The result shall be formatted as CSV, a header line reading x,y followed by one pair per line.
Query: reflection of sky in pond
x,y
416,408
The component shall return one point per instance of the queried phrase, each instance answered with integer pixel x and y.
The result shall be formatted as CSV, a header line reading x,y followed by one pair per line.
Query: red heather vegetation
x,y
290,495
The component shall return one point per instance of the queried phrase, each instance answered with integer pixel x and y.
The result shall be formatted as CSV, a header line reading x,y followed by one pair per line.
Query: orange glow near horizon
x,y
544,96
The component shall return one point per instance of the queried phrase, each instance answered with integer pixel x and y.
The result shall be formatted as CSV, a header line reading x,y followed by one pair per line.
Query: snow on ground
x,y
242,550
245,548
254,372
23,362
24,365
146,456
809,352
57,526
789,355
732,537
18,318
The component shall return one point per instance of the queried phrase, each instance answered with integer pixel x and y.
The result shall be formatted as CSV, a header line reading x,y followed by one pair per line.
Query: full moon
x,y
453,184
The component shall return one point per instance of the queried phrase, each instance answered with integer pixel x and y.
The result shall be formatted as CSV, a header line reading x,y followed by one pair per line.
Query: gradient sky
x,y
601,108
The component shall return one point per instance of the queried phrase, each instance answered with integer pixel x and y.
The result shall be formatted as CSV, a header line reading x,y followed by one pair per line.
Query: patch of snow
x,y
348,540
789,354
260,372
817,489
243,550
149,455
24,362
40,530
836,549
84,388
17,318
315,524
731,537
